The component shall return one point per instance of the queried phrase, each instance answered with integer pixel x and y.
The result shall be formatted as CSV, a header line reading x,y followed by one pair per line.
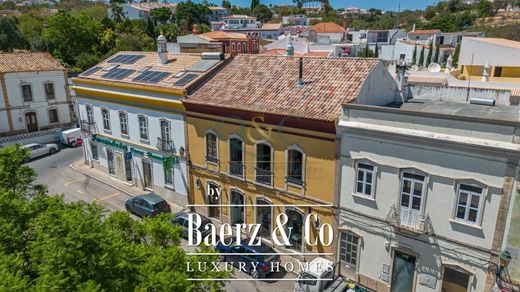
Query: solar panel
x,y
179,74
185,79
91,71
125,59
151,76
203,65
118,73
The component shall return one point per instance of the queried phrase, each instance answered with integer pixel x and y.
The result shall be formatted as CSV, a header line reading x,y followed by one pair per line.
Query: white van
x,y
71,137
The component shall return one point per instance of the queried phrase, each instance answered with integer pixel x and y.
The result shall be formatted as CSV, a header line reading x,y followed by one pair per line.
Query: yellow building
x,y
263,136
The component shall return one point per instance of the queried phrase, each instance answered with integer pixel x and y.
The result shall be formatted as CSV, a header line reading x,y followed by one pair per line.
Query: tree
x,y
254,3
226,4
48,244
10,36
161,15
484,8
366,52
456,55
421,58
262,13
189,13
117,11
31,28
437,54
376,51
430,52
414,56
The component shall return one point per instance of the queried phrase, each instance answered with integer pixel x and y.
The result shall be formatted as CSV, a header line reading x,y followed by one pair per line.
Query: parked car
x,y
71,137
320,277
37,150
147,205
264,256
181,219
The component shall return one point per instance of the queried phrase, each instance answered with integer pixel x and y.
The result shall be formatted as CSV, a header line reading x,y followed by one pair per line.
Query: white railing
x,y
411,218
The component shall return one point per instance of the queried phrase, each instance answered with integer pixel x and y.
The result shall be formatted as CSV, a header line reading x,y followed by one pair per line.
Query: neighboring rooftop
x,y
271,26
327,27
497,41
220,35
424,31
143,68
236,16
148,6
259,83
28,62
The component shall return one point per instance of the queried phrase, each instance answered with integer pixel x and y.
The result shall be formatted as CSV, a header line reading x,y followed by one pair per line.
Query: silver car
x,y
37,150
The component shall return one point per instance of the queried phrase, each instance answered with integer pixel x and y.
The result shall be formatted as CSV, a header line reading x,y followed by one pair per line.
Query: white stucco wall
x,y
473,51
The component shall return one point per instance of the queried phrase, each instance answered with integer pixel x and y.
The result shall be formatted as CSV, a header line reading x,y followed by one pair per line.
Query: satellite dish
x,y
434,67
414,68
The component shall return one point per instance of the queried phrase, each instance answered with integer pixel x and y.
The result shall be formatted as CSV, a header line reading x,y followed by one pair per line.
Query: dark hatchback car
x,y
262,255
147,205
181,219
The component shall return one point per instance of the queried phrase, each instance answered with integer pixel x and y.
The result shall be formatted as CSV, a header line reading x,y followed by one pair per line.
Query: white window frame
x,y
143,129
304,157
364,181
172,175
90,113
30,89
270,204
168,129
125,123
468,207
210,131
49,96
340,247
271,167
57,115
237,137
425,183
106,126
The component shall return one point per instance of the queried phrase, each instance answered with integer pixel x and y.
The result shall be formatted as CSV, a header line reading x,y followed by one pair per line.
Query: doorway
x,y
128,168
120,170
214,201
111,163
403,272
454,280
31,121
147,174
237,208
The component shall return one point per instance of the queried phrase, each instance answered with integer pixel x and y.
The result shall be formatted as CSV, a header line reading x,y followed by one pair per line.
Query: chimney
x,y
485,74
161,50
300,74
290,48
195,29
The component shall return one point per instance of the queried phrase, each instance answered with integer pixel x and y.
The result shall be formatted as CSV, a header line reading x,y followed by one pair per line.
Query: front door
x,y
147,173
111,163
120,170
32,123
128,169
403,272
214,201
237,208
412,191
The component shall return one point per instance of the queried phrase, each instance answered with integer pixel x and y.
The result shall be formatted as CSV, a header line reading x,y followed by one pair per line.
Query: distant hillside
x,y
503,25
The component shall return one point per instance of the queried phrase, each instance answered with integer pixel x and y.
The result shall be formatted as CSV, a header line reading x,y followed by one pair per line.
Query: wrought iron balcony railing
x,y
236,168
264,176
88,127
294,180
165,145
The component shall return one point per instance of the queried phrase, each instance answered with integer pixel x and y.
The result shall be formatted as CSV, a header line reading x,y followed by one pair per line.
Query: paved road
x,y
55,172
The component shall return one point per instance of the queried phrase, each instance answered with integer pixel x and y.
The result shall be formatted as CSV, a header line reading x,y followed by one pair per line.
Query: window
x,y
263,216
498,72
90,114
168,177
27,92
454,280
411,203
165,130
295,226
365,179
143,127
295,167
211,147
53,116
233,47
468,203
263,164
349,248
106,119
123,121
236,163
239,47
49,90
94,150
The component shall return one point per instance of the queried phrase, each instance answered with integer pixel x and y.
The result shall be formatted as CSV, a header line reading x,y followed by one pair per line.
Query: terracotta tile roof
x,y
220,35
424,31
327,27
271,26
260,83
176,64
427,80
28,62
317,54
497,41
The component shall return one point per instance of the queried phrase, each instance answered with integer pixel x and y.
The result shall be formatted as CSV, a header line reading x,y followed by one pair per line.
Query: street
x,y
55,172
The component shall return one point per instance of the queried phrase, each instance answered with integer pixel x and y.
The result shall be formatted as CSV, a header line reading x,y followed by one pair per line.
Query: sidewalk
x,y
116,183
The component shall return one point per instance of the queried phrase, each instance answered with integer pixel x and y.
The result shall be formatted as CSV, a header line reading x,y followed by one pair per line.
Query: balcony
x,y
236,168
409,220
263,176
294,181
212,159
165,145
88,127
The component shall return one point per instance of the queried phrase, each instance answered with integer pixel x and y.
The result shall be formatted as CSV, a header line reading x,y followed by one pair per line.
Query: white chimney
x,y
161,50
485,74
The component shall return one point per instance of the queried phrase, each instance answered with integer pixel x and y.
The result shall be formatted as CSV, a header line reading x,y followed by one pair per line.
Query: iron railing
x,y
88,127
406,219
165,145
236,168
263,176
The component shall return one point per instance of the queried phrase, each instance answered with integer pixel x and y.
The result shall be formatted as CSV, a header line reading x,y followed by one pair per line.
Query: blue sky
x,y
380,4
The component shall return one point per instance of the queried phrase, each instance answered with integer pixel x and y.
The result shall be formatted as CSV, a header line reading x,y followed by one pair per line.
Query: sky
x,y
379,4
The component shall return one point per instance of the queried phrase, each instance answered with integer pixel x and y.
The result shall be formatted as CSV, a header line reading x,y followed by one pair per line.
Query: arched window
x,y
106,118
264,216
123,122
90,114
295,167
211,147
236,157
295,222
263,164
53,116
143,127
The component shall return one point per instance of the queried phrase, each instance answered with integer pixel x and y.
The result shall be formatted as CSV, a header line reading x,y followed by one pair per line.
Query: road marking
x,y
68,183
107,197
81,192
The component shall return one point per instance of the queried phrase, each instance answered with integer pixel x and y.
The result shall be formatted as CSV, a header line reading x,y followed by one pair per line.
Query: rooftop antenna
x,y
469,73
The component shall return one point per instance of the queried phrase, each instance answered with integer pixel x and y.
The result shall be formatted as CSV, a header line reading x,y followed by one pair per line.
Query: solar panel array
x,y
118,73
125,59
185,79
151,76
91,71
203,65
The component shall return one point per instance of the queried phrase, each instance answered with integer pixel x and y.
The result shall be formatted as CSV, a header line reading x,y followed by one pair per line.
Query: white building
x,y
141,10
426,193
133,118
217,13
240,22
34,98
